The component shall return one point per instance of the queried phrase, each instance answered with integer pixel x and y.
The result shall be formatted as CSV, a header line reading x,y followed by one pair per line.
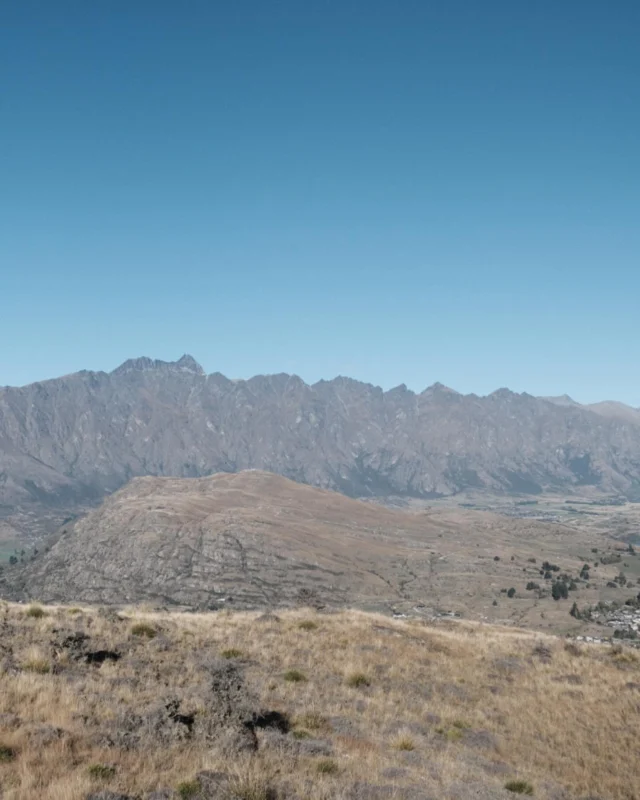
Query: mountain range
x,y
66,443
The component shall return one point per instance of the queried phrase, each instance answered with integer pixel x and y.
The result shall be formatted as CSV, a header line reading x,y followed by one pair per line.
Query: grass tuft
x,y
188,789
38,665
251,787
6,754
327,766
232,652
144,630
358,680
294,676
301,734
404,743
35,612
101,772
313,720
308,625
519,787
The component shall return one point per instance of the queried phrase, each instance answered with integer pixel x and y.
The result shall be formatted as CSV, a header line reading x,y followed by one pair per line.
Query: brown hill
x,y
65,443
256,539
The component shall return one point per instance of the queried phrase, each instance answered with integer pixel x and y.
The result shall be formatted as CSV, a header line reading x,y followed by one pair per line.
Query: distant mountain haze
x,y
65,443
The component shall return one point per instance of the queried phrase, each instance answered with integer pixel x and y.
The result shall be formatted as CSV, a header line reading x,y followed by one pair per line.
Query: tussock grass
x,y
357,680
35,612
405,743
101,772
231,652
144,629
188,789
6,754
294,676
313,720
37,661
327,766
519,787
466,697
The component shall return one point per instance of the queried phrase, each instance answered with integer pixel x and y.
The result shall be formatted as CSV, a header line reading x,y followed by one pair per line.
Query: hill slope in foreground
x,y
254,539
308,706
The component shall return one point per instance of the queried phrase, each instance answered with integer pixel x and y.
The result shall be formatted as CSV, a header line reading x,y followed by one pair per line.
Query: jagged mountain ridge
x,y
68,441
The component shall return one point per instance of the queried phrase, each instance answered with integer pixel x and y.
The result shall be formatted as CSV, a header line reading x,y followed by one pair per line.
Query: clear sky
x,y
403,191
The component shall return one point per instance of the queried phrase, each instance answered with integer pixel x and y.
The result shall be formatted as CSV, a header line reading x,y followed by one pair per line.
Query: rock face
x,y
64,443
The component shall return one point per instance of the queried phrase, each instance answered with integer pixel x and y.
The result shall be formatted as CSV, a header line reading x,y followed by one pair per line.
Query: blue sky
x,y
397,191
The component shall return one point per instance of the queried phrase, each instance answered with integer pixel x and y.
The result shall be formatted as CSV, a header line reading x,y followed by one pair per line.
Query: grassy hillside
x,y
305,705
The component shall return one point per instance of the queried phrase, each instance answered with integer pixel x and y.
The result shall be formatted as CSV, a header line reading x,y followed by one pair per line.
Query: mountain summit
x,y
186,363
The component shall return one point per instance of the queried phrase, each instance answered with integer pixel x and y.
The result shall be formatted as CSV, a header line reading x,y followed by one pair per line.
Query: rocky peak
x,y
186,363
189,364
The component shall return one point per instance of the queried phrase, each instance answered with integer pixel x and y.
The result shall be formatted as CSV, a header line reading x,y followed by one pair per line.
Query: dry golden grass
x,y
450,710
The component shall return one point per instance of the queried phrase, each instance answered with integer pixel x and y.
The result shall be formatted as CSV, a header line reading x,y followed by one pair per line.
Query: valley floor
x,y
135,704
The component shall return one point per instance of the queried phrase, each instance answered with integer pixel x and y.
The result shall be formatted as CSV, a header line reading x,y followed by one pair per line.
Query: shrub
x,y
511,592
356,680
532,585
6,754
232,652
627,633
36,612
496,558
101,772
188,789
327,766
560,590
519,787
308,625
294,676
144,629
